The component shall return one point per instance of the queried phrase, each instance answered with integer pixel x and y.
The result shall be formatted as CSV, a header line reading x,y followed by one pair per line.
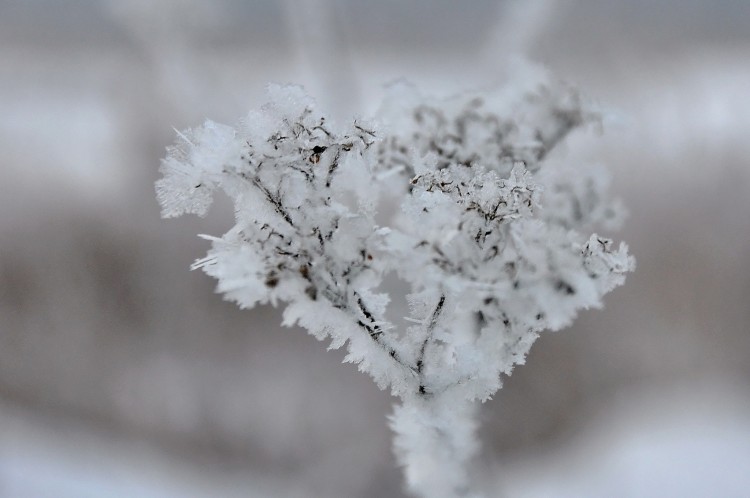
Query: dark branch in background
x,y
566,122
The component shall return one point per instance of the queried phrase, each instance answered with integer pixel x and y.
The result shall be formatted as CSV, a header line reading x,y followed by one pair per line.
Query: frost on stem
x,y
491,232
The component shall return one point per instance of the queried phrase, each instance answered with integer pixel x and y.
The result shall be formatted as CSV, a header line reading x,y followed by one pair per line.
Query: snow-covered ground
x,y
667,441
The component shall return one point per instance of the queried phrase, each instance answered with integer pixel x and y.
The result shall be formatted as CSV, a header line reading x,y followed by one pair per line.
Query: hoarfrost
x,y
492,235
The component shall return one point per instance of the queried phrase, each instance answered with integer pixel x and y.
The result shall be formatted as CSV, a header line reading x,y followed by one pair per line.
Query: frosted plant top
x,y
464,199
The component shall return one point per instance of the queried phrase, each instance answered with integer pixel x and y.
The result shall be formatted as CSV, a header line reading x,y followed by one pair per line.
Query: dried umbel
x,y
460,198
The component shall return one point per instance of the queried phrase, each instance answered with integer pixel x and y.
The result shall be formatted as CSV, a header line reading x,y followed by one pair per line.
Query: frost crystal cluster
x,y
461,199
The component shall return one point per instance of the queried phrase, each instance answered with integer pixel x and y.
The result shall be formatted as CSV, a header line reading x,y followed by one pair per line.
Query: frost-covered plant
x,y
458,198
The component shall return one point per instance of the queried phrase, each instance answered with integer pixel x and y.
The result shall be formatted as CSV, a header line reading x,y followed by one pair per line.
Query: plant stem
x,y
434,442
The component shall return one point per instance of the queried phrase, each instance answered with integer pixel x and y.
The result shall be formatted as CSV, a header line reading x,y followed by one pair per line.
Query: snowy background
x,y
122,374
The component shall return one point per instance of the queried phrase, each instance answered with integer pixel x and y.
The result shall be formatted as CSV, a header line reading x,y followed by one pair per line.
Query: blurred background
x,y
123,375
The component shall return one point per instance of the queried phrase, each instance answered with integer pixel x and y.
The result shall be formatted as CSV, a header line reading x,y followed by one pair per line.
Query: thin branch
x,y
376,334
274,200
428,337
